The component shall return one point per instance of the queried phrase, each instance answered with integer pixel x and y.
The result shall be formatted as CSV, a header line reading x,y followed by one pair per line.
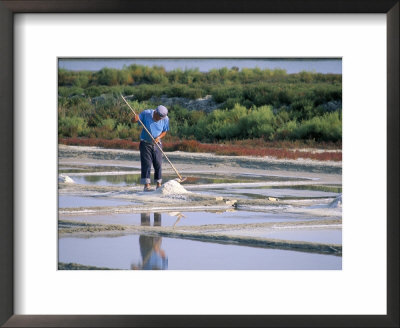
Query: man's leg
x,y
157,163
157,219
145,219
145,161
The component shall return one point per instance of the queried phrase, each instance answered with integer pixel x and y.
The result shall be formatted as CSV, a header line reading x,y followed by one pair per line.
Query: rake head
x,y
181,179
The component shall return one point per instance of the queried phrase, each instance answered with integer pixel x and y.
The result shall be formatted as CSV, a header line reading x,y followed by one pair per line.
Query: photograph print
x,y
199,163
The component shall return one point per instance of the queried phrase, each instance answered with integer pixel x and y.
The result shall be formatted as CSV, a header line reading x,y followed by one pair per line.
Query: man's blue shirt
x,y
155,128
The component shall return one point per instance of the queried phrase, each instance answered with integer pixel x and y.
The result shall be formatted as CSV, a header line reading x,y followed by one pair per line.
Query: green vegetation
x,y
252,103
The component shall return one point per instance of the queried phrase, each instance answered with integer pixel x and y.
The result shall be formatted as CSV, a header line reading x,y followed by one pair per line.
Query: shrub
x,y
107,76
72,126
70,91
81,81
124,131
103,132
222,94
108,123
231,102
286,131
258,123
302,109
325,128
96,91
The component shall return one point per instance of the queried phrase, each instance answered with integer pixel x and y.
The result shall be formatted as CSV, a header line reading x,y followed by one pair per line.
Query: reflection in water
x,y
178,215
153,257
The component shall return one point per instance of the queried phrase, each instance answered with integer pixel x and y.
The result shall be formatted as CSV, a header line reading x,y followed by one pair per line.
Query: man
x,y
153,256
157,123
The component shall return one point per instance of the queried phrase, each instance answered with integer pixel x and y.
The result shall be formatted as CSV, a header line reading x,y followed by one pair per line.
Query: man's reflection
x,y
153,257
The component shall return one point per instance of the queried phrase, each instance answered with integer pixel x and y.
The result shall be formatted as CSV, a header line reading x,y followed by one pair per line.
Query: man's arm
x,y
162,135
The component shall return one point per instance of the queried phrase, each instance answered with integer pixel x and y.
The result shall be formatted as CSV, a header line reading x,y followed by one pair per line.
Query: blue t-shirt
x,y
155,128
156,262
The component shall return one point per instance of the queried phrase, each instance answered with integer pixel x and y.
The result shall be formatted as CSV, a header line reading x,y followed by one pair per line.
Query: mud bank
x,y
76,266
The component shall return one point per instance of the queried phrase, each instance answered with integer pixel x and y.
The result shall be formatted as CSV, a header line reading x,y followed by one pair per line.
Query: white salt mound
x,y
65,179
172,187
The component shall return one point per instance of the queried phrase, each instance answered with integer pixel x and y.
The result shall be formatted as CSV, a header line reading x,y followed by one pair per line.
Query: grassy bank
x,y
252,103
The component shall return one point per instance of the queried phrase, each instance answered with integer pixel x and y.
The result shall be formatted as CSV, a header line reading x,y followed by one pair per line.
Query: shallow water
x,y
131,251
195,178
107,180
66,201
88,168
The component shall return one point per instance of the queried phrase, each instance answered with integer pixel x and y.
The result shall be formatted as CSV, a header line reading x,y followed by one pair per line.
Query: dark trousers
x,y
145,219
150,154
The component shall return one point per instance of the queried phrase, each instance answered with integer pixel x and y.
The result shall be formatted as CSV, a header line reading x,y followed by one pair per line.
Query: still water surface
x,y
147,252
134,179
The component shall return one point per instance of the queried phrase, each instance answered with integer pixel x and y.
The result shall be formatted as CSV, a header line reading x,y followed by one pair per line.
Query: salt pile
x,y
65,179
172,187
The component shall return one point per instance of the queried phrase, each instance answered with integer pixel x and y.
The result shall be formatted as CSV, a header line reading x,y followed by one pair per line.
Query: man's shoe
x,y
147,188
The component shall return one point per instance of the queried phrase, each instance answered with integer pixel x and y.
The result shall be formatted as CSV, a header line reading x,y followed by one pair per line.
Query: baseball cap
x,y
162,111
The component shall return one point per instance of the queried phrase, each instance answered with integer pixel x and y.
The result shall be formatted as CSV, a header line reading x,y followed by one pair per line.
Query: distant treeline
x,y
253,103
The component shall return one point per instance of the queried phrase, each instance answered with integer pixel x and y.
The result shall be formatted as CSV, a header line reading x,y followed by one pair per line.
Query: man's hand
x,y
162,135
135,118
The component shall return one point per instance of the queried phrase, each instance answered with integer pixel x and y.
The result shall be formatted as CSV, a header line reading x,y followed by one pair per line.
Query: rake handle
x,y
176,171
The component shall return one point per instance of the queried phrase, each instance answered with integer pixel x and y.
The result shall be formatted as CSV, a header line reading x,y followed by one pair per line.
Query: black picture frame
x,y
7,10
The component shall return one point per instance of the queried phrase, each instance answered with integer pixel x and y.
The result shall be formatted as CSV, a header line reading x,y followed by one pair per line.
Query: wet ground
x,y
244,214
